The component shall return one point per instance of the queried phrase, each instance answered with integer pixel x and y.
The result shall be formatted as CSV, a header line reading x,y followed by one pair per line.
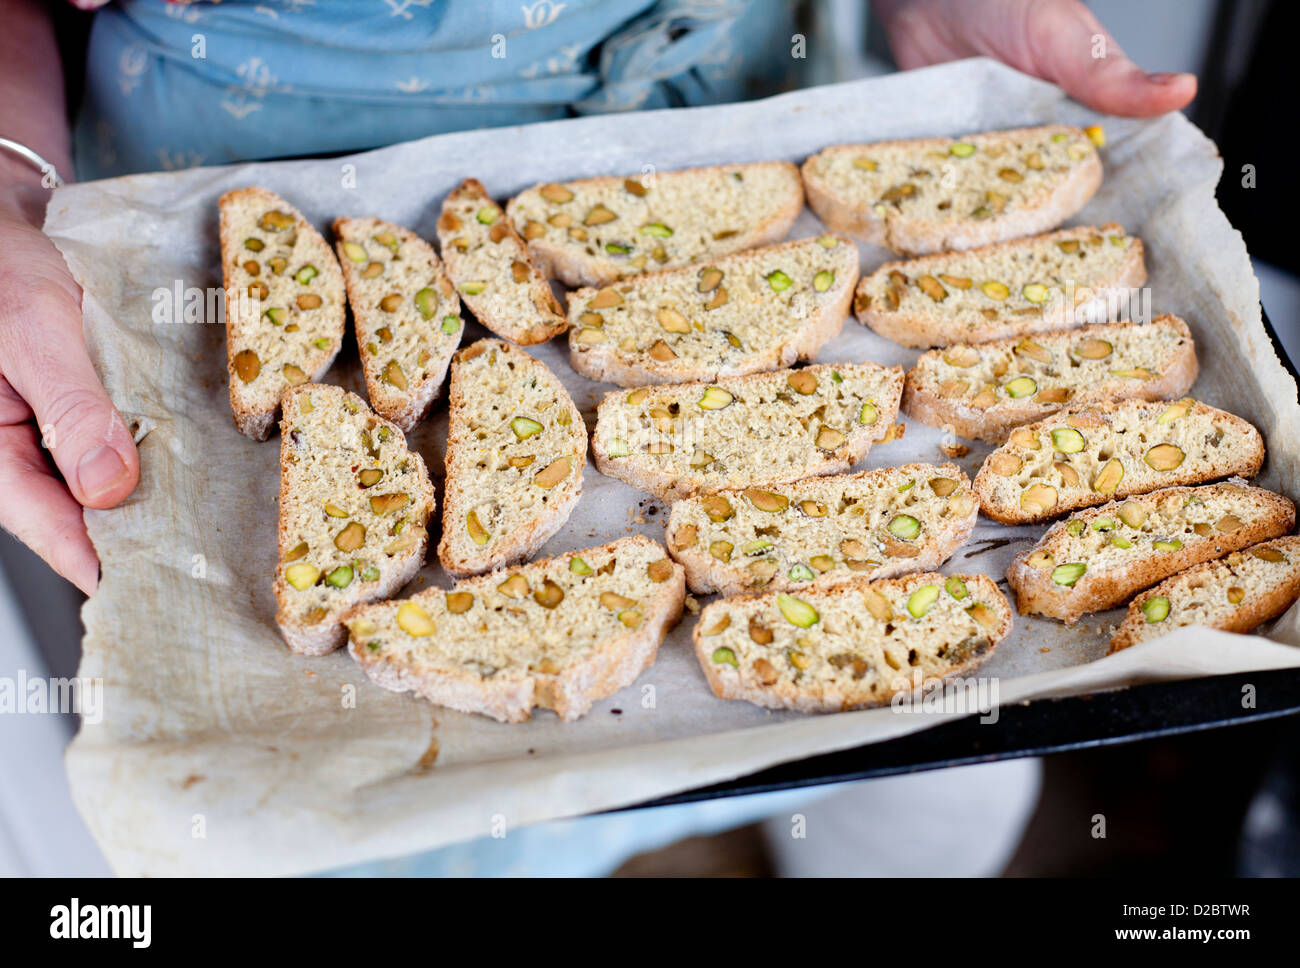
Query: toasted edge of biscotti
x,y
571,692
1245,463
255,412
327,634
571,263
754,661
924,401
404,407
455,548
1244,615
706,572
1033,574
643,472
936,328
543,317
885,225
595,353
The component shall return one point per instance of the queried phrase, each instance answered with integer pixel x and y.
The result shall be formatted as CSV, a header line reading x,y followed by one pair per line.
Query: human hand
x,y
1056,40
45,373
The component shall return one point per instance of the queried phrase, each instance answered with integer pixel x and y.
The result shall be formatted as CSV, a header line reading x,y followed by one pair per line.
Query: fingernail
x,y
99,470
1164,78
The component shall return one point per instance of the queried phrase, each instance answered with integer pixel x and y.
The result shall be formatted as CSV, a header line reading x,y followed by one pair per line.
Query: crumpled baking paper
x,y
220,752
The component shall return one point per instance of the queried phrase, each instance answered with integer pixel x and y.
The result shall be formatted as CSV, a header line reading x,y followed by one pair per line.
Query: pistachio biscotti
x,y
284,304
985,391
594,231
1097,559
1011,289
516,447
850,645
944,194
354,502
559,633
1093,453
876,524
694,438
492,270
737,315
406,315
1236,594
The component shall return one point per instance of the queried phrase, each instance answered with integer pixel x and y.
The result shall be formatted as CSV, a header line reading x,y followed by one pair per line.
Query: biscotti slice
x,y
406,313
559,633
696,438
1057,281
986,390
1100,557
944,194
849,645
516,447
594,231
354,502
492,270
876,524
1236,594
284,304
1093,453
737,315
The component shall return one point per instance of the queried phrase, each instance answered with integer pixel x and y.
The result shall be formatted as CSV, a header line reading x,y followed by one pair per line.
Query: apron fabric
x,y
173,85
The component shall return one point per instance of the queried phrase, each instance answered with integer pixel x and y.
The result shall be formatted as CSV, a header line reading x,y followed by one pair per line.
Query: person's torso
x,y
174,85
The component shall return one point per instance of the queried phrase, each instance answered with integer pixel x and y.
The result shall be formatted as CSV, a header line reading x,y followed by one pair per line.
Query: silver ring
x,y
40,163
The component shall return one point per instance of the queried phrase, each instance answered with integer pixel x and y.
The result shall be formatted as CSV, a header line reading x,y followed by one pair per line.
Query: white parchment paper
x,y
220,752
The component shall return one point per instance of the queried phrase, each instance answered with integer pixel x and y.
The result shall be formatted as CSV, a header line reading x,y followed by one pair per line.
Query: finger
x,y
39,511
1067,45
1134,94
47,365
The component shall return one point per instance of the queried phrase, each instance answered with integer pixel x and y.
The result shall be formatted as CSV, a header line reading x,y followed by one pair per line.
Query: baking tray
x,y
1041,727
1033,729
211,717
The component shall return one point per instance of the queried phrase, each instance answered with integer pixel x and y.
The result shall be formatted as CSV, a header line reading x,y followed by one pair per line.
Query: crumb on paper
x,y
692,605
954,450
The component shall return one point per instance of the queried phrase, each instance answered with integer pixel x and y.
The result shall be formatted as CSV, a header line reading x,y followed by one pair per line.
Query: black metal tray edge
x,y
1036,728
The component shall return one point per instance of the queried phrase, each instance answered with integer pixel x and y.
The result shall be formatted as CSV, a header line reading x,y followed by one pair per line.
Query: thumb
x,y
48,366
1068,46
